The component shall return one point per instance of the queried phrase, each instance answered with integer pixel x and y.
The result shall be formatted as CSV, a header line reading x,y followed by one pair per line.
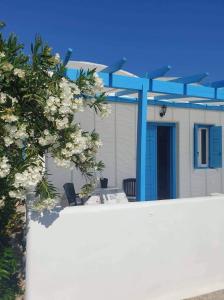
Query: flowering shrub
x,y
37,115
38,105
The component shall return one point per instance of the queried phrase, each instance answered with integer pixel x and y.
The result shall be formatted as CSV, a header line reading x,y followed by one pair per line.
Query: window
x,y
207,146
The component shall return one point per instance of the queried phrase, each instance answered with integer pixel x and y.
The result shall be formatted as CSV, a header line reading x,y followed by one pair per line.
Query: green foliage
x,y
11,249
9,274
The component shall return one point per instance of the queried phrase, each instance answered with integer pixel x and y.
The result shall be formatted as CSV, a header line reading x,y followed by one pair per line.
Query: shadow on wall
x,y
46,217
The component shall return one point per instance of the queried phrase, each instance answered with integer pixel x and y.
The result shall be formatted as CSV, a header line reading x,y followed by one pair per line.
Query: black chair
x,y
129,186
72,197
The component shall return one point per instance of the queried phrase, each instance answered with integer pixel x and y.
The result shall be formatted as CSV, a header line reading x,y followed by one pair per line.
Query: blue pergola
x,y
174,92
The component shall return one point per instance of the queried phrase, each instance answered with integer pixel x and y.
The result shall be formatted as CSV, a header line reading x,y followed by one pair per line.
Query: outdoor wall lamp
x,y
162,111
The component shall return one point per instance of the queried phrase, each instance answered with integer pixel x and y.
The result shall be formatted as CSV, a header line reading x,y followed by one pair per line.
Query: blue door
x,y
161,161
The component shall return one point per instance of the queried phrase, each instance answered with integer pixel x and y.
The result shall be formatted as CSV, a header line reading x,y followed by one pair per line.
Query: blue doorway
x,y
161,161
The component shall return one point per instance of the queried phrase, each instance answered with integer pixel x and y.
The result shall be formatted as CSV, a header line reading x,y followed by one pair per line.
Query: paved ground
x,y
218,295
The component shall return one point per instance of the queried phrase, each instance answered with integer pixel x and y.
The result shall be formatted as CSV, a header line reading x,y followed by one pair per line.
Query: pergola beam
x,y
156,86
158,72
125,92
217,84
188,105
191,79
115,66
67,56
207,101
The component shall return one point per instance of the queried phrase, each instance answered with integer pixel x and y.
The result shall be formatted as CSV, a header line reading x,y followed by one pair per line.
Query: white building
x,y
183,140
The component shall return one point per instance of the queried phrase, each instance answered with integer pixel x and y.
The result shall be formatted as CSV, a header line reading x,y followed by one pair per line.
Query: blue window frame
x,y
207,146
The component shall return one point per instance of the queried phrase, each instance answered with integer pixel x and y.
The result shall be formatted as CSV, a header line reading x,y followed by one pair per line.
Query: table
x,y
110,195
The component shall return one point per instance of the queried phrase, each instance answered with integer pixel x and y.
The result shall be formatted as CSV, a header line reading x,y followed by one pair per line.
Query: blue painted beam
x,y
167,87
122,99
207,101
191,79
220,94
67,56
155,85
125,92
217,84
115,67
167,97
188,105
158,72
141,144
200,91
126,82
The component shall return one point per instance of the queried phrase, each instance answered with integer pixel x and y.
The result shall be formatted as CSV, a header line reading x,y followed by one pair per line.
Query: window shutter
x,y
215,147
195,146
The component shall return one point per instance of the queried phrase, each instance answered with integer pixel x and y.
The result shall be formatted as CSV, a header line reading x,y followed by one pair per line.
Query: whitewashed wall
x,y
160,250
118,134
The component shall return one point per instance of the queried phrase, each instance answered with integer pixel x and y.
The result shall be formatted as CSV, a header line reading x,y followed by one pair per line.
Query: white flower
x,y
8,141
7,67
47,139
15,135
42,204
57,58
9,118
31,176
105,110
18,72
2,54
75,88
98,83
62,162
18,194
4,166
2,98
78,105
50,73
62,123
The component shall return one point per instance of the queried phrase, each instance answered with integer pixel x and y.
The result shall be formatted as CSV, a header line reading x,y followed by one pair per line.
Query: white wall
x,y
119,137
162,250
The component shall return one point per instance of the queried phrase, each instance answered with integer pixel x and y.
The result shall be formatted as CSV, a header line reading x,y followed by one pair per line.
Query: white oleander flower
x,y
19,73
62,162
98,87
29,177
15,135
62,123
4,166
75,88
7,67
47,139
9,118
42,204
105,110
18,194
57,58
2,98
8,141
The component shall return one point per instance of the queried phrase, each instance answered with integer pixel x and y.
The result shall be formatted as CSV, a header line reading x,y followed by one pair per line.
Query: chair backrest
x,y
129,186
70,193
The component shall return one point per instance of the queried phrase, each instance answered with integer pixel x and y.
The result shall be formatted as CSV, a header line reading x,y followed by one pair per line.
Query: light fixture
x,y
162,111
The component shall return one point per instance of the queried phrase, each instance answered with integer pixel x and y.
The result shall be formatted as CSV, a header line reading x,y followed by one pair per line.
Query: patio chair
x,y
129,186
72,197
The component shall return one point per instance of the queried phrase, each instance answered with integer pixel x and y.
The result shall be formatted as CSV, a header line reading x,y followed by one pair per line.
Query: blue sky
x,y
186,34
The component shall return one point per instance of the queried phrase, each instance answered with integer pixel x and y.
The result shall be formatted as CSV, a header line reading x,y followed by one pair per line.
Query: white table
x,y
110,195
